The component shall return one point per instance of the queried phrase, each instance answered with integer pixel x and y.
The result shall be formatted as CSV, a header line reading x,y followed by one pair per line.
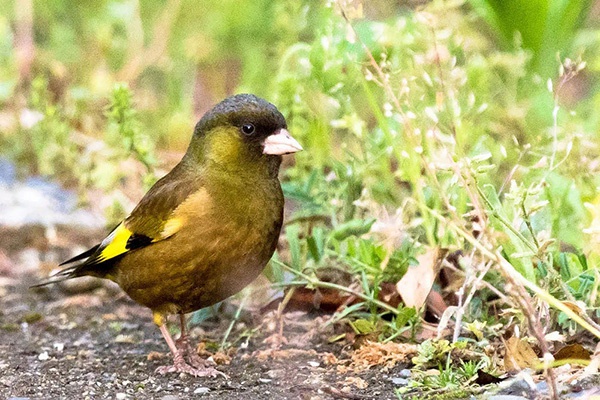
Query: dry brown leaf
x,y
388,294
221,358
356,381
573,351
519,355
155,355
484,378
577,307
436,304
386,355
304,299
415,285
329,358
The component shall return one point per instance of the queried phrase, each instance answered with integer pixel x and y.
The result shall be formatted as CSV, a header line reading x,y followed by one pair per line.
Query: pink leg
x,y
179,364
184,346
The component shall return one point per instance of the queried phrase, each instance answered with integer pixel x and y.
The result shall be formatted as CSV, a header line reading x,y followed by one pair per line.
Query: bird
x,y
206,229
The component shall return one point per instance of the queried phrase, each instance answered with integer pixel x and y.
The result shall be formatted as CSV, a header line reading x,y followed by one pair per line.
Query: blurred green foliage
x,y
546,27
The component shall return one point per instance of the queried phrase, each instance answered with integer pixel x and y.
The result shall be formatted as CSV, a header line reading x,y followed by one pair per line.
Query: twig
x,y
236,318
328,285
462,306
338,393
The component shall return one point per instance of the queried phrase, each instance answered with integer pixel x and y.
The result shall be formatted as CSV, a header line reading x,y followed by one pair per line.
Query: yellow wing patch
x,y
115,244
171,227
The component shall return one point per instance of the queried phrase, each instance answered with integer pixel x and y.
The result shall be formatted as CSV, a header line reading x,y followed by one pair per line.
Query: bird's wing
x,y
152,220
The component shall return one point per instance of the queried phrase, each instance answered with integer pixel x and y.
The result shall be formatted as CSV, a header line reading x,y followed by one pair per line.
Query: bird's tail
x,y
62,275
71,272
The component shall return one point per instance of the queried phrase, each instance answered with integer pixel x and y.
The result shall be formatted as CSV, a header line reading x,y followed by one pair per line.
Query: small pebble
x,y
264,380
314,364
399,381
121,396
201,390
542,386
405,373
44,356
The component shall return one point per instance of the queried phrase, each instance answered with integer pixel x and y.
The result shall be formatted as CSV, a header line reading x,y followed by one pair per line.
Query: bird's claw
x,y
184,346
179,365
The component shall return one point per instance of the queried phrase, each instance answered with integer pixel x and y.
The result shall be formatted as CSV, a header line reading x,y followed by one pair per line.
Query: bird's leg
x,y
179,364
183,345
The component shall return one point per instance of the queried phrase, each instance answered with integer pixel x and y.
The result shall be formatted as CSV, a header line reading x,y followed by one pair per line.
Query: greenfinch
x,y
206,229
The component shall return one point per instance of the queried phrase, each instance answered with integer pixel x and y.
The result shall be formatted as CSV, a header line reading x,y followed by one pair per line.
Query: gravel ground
x,y
101,345
96,346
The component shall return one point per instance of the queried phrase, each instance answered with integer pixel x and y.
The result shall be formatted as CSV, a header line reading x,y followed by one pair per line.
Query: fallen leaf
x,y
555,337
483,378
221,358
155,355
386,355
519,355
436,304
356,381
307,300
573,351
415,285
577,307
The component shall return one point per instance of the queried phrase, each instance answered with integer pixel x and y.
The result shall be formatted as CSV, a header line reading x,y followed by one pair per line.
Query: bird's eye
x,y
248,129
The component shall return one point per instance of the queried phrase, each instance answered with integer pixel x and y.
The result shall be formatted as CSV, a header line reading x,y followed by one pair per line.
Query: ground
x,y
102,345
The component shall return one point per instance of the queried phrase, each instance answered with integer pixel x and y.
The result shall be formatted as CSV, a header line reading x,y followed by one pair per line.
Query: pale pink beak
x,y
280,142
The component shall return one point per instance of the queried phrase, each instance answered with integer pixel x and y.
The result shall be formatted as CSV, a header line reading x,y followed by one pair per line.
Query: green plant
x,y
544,27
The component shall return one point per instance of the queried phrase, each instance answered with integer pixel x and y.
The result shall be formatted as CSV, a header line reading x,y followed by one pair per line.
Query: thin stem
x,y
328,285
232,323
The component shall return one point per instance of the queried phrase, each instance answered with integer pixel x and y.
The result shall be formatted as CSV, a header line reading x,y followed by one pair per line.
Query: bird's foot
x,y
184,346
179,365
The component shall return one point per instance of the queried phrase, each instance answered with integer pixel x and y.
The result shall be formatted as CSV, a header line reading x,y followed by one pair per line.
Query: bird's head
x,y
242,130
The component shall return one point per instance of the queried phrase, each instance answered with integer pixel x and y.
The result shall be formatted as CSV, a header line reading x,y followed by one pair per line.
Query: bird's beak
x,y
280,142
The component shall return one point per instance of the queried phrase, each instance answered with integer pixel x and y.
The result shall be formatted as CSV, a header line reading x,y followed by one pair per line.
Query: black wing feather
x,y
85,254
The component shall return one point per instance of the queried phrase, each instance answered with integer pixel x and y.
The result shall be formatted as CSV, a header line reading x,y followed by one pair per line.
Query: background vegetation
x,y
469,126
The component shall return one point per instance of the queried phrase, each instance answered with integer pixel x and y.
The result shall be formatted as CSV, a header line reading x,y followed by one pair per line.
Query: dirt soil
x,y
101,345
93,342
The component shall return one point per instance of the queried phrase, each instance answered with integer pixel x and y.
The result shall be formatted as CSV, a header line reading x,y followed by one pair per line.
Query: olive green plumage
x,y
208,228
